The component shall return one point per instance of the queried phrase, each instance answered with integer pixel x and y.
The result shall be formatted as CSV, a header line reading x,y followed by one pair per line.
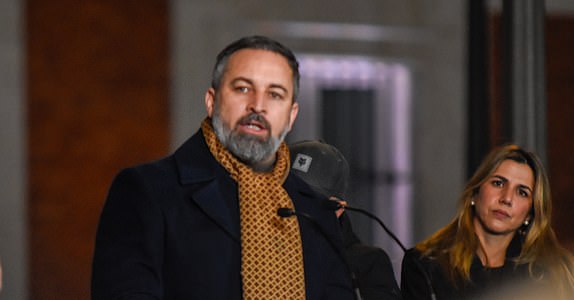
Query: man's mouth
x,y
254,123
254,126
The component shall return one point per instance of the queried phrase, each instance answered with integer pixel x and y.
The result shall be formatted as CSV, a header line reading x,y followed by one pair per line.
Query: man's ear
x,y
293,114
210,101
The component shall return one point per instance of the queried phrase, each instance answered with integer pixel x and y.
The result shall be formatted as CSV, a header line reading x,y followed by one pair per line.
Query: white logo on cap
x,y
302,162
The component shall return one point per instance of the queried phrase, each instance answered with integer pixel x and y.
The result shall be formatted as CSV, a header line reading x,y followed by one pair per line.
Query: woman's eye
x,y
523,193
497,182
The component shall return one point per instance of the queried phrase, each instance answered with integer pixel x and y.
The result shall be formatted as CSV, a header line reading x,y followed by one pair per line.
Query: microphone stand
x,y
284,212
372,216
337,205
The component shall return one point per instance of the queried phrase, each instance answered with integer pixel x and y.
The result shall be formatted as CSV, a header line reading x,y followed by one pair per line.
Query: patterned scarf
x,y
271,248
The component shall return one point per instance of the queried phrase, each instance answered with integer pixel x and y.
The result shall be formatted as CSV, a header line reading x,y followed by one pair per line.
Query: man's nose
x,y
257,103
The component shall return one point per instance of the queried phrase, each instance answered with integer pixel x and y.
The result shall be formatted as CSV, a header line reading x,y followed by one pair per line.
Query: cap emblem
x,y
302,162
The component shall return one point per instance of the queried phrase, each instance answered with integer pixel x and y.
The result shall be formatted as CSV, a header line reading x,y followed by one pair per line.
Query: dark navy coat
x,y
170,230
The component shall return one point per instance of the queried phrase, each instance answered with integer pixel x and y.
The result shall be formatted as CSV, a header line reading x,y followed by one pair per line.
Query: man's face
x,y
253,108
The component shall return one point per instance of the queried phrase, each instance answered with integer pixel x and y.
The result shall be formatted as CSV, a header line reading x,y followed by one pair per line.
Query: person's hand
x,y
343,203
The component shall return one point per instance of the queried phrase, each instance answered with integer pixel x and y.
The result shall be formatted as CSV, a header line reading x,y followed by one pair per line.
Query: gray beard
x,y
248,149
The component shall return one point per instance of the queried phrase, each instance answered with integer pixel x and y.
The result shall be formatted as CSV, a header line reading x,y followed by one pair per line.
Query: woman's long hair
x,y
455,245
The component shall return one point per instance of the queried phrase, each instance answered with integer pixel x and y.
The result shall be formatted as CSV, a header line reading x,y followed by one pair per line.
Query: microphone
x,y
285,212
334,205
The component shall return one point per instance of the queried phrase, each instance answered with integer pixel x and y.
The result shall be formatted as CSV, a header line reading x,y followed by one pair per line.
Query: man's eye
x,y
275,95
242,89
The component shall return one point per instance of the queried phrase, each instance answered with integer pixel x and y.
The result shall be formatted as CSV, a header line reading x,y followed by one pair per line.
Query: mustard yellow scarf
x,y
271,248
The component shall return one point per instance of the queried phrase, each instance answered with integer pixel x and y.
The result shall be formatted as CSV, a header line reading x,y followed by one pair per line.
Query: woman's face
x,y
504,200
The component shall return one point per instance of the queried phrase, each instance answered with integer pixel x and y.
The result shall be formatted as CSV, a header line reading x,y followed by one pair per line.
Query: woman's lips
x,y
501,213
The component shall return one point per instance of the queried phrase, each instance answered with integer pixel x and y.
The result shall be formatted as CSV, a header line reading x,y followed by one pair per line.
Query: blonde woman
x,y
500,239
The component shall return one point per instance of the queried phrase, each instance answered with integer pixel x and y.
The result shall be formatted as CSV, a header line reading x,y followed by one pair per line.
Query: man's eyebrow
x,y
243,79
279,86
249,81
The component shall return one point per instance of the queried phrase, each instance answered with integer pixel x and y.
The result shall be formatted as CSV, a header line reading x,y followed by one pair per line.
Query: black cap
x,y
322,166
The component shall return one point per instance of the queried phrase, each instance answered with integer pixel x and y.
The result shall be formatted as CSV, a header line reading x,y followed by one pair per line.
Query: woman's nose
x,y
506,196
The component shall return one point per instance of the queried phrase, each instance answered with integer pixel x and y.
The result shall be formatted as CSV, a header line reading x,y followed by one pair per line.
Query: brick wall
x,y
97,90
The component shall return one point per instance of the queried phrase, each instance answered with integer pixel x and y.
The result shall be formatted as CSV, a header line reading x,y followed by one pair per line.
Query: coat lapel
x,y
208,184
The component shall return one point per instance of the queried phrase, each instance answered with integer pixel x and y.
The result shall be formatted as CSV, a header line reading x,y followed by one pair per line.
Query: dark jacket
x,y
170,230
372,267
485,283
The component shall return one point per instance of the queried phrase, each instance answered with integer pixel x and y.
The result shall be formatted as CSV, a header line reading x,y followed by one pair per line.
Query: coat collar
x,y
194,162
211,187
207,184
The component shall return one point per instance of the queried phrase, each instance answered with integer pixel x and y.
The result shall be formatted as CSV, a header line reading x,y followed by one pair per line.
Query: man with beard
x,y
203,222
